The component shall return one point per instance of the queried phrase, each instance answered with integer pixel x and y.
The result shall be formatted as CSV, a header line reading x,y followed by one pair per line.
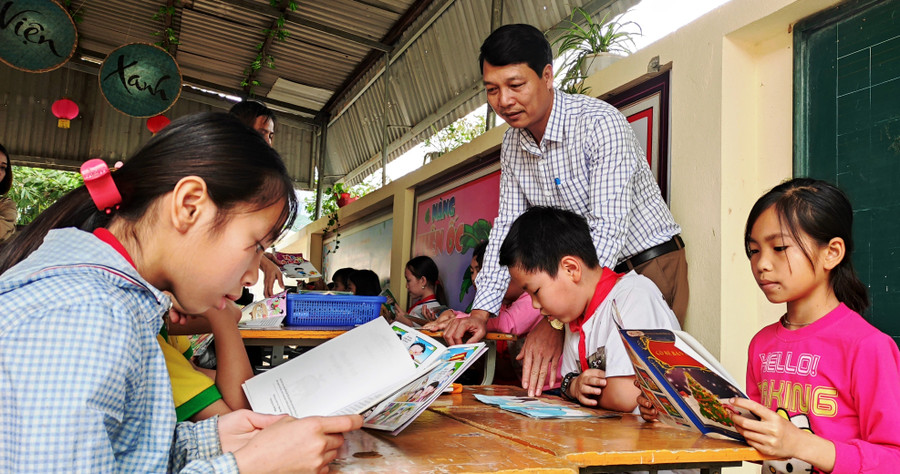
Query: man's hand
x,y
271,273
587,387
475,324
267,443
442,321
541,353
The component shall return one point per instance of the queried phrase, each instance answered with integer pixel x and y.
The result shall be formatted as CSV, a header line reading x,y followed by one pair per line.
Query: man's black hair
x,y
248,110
515,44
542,236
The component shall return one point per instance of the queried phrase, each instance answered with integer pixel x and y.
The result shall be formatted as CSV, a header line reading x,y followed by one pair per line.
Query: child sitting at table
x,y
364,283
425,291
82,377
517,314
550,255
201,393
340,279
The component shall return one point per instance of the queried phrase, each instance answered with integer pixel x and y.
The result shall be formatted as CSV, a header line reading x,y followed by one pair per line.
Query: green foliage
x,y
76,14
35,189
582,36
473,235
456,134
330,207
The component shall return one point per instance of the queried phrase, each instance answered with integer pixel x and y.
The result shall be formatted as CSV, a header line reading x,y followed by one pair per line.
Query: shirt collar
x,y
107,236
555,131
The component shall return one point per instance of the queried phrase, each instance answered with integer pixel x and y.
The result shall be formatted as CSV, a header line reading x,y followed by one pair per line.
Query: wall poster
x,y
450,222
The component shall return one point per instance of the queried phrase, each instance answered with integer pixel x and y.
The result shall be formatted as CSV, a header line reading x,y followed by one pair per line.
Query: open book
x,y
389,373
686,384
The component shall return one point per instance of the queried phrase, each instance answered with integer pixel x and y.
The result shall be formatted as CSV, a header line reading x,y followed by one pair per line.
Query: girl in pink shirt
x,y
827,382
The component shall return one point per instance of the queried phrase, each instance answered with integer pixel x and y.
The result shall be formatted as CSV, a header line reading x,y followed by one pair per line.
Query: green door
x,y
847,131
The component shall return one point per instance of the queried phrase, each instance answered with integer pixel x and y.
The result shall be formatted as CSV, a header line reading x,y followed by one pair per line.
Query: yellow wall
x,y
731,139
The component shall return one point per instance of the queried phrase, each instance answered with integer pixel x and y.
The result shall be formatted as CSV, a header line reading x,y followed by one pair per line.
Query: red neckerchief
x,y
608,279
106,236
426,299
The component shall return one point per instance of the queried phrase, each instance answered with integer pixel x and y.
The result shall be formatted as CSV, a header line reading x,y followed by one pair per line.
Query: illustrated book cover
x,y
686,384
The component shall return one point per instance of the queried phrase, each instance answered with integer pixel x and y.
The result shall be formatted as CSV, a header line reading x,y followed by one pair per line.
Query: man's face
x,y
518,95
266,127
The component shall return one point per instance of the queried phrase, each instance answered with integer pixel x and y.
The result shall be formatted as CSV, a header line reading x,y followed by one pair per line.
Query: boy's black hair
x,y
478,253
515,44
542,236
342,275
366,282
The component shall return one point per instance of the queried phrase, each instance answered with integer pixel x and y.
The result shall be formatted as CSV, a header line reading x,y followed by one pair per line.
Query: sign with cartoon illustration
x,y
450,225
36,35
141,80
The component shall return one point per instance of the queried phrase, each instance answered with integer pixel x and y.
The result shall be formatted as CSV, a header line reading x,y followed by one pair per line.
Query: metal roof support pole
x,y
384,117
496,19
323,132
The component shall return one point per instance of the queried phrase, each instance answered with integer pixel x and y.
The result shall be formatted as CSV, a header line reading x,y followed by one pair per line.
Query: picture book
x,y
293,265
390,303
269,312
535,408
686,384
388,373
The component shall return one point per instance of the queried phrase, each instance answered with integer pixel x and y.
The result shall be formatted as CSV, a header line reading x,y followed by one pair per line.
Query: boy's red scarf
x,y
608,279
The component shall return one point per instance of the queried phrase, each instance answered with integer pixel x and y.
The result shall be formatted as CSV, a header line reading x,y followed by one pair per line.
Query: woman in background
x,y
8,212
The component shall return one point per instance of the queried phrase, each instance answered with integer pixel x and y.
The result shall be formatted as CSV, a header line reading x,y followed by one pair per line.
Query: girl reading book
x,y
425,291
824,382
82,377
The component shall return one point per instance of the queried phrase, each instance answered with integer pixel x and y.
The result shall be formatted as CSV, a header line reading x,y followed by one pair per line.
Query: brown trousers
x,y
669,272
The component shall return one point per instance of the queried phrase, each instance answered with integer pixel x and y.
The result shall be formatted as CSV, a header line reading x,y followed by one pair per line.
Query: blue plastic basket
x,y
332,310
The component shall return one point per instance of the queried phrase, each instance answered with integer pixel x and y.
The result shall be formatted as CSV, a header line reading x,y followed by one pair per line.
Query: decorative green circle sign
x,y
140,80
35,35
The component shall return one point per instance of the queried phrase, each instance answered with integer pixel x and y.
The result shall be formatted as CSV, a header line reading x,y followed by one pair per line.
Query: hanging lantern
x,y
157,123
65,110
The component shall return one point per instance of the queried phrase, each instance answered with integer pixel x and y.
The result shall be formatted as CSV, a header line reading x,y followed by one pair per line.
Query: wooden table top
x,y
288,332
592,442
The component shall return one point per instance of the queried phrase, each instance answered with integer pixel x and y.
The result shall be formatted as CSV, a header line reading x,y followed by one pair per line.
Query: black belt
x,y
673,244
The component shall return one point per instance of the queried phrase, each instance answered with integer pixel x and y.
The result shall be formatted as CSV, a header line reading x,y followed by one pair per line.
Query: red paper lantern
x,y
157,123
65,110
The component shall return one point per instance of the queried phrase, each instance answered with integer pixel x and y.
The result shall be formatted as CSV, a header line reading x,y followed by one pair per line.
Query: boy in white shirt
x,y
550,254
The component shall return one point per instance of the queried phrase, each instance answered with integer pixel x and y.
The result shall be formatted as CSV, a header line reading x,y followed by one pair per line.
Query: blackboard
x,y
847,131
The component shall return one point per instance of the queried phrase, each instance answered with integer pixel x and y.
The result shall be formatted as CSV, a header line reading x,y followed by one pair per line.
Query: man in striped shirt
x,y
572,152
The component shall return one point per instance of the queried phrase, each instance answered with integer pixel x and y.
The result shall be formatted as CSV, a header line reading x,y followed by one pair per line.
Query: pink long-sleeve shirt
x,y
843,374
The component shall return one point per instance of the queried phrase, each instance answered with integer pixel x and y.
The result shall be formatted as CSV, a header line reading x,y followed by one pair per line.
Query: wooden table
x,y
279,337
460,434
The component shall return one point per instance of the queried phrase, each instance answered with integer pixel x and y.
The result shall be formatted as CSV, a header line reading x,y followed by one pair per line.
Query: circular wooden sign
x,y
36,35
141,80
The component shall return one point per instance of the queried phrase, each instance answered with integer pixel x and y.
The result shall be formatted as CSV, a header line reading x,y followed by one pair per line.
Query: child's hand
x,y
587,387
648,413
267,443
776,436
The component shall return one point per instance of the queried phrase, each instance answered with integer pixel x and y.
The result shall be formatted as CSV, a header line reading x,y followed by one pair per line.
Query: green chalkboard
x,y
847,131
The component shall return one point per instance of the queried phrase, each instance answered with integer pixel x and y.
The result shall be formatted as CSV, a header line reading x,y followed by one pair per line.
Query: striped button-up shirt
x,y
83,383
589,162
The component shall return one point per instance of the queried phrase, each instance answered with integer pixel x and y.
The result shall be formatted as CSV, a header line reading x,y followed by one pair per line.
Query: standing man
x,y
262,119
572,152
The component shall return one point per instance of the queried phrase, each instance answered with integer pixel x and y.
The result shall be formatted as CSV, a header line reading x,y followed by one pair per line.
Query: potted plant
x,y
592,45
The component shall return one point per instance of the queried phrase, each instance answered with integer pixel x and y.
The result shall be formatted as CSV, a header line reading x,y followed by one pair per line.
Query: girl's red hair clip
x,y
100,184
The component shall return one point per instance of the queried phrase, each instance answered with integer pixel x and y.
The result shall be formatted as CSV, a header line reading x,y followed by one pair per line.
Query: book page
x,y
336,375
424,350
401,408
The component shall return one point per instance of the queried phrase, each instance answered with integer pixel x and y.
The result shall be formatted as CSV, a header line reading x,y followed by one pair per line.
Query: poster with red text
x,y
450,225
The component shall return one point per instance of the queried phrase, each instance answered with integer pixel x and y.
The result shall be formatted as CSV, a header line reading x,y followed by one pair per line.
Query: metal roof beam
x,y
298,20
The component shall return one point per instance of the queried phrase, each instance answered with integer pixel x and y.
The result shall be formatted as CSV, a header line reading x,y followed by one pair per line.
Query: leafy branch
x,y
166,14
275,32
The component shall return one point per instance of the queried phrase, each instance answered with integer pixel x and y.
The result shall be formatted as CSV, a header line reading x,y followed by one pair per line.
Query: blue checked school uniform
x,y
588,162
83,383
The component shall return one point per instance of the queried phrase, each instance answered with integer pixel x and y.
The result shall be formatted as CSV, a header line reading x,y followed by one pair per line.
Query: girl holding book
x,y
190,213
425,291
824,382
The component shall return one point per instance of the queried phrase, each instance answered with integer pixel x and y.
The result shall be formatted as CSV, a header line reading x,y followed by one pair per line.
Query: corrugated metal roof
x,y
438,72
331,46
